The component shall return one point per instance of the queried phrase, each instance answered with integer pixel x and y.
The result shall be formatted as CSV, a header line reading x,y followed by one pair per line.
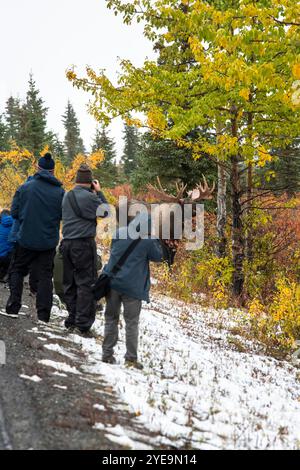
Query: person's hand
x,y
96,186
172,244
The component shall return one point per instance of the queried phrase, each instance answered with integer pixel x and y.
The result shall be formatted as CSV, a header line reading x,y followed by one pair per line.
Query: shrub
x,y
278,323
198,274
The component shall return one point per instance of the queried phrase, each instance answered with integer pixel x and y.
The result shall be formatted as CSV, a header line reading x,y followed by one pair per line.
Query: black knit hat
x,y
84,175
46,162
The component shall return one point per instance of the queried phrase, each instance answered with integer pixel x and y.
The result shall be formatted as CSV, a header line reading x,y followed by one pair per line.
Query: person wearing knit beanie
x,y
46,163
84,175
37,207
79,215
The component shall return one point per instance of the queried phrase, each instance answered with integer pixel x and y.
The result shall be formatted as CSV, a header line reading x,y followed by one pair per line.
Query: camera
x,y
93,184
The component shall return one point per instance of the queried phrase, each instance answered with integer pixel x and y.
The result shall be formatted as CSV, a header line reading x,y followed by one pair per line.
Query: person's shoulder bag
x,y
102,286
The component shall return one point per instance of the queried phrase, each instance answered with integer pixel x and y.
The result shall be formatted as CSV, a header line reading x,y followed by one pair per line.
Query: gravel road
x,y
58,411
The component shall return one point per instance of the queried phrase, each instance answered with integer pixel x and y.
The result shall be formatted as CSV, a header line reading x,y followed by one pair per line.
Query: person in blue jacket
x,y
6,247
16,224
130,286
37,205
33,271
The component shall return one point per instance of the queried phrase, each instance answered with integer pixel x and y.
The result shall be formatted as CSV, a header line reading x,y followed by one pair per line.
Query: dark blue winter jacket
x,y
37,205
133,279
5,228
13,236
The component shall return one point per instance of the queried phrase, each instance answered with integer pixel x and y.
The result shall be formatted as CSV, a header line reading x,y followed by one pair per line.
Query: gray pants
x,y
132,310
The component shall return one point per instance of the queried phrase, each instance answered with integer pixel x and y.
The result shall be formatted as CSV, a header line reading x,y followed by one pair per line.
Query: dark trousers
x,y
132,310
4,265
79,273
34,277
22,261
33,271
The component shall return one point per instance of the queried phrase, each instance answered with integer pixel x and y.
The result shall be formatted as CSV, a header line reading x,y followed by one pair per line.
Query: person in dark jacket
x,y
37,205
16,224
129,287
33,270
6,247
79,249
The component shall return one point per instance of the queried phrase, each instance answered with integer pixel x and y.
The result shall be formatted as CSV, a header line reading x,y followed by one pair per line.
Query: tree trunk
x,y
221,203
249,242
222,213
238,242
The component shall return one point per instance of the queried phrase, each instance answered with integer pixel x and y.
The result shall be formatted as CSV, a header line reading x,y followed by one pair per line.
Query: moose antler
x,y
162,195
202,191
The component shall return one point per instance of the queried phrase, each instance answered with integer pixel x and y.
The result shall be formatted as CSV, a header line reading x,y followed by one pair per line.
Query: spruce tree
x,y
107,173
4,138
13,119
56,146
33,120
73,143
287,169
282,174
163,158
131,149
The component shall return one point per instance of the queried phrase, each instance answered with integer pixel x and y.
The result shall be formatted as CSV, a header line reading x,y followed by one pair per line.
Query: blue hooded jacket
x,y
5,228
133,279
37,205
13,236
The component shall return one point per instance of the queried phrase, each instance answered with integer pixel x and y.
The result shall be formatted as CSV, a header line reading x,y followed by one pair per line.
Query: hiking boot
x,y
85,334
69,325
4,280
109,360
70,328
134,364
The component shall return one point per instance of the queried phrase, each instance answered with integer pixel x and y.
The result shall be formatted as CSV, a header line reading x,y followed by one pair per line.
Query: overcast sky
x,y
47,36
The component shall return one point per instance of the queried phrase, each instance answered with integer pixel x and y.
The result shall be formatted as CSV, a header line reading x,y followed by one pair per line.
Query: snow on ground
x,y
33,378
196,391
59,366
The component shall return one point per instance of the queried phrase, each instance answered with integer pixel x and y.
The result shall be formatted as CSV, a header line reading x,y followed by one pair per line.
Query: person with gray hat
x,y
78,248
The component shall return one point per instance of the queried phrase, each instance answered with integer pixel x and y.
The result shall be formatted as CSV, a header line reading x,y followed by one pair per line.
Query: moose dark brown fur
x,y
164,200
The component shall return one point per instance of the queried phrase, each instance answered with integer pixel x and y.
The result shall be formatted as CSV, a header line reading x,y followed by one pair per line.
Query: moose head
x,y
200,193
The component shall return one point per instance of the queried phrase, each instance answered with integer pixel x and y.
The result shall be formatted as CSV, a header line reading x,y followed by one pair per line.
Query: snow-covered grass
x,y
197,390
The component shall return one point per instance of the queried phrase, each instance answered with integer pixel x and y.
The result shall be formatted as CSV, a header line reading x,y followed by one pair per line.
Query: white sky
x,y
48,36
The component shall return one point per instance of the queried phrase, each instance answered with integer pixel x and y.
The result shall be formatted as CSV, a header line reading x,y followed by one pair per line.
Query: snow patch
x,y
59,374
99,407
60,366
62,387
59,349
195,389
33,378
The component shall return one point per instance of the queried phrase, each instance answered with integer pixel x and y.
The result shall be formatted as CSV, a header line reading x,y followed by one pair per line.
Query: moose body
x,y
169,213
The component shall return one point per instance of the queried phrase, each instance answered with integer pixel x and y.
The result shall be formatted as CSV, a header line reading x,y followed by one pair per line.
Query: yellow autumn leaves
x,y
67,174
296,71
245,93
17,164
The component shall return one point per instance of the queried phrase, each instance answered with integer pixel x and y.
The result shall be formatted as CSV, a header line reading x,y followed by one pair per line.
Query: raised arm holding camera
x,y
79,249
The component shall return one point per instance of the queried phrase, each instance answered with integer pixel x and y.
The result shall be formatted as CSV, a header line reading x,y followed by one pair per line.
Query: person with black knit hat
x,y
46,163
80,206
37,206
